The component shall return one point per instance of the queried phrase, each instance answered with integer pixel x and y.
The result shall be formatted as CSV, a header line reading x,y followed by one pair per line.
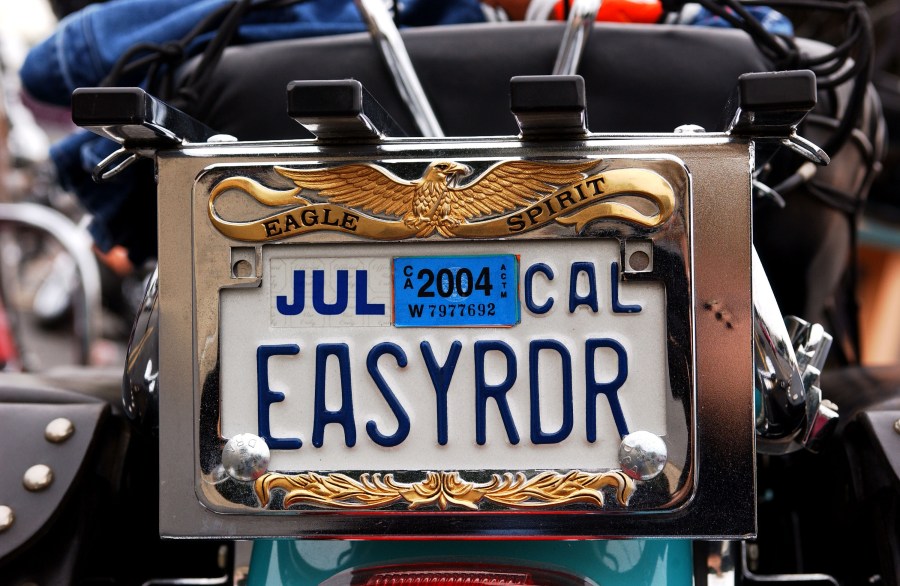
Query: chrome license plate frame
x,y
706,318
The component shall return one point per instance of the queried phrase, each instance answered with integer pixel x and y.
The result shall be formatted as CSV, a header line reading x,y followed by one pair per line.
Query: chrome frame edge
x,y
722,498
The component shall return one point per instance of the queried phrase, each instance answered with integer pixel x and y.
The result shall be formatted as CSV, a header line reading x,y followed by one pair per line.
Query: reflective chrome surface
x,y
582,15
750,577
140,383
642,455
717,502
187,582
390,43
721,563
245,457
790,414
659,222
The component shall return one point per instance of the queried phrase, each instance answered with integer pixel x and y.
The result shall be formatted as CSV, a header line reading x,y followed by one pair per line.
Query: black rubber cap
x,y
779,90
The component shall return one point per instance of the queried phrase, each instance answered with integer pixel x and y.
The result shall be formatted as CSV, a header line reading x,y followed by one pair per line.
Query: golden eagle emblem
x,y
509,198
437,201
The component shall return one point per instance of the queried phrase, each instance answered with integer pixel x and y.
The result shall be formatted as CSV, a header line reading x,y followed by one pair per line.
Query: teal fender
x,y
610,563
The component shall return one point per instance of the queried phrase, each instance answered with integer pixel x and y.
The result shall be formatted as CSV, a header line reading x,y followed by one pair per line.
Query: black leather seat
x,y
638,78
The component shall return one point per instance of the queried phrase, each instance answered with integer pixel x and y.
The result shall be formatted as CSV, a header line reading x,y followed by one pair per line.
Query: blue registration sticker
x,y
454,291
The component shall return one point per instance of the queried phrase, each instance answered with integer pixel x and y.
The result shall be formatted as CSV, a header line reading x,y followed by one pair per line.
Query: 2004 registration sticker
x,y
447,291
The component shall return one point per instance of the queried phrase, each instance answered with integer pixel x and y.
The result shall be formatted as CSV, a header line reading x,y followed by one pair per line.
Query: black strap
x,y
187,93
164,58
156,55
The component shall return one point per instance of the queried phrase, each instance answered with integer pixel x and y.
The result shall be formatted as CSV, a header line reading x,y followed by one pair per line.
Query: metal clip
x,y
113,164
770,106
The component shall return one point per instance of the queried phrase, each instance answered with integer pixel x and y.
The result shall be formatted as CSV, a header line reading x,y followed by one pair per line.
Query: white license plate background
x,y
248,319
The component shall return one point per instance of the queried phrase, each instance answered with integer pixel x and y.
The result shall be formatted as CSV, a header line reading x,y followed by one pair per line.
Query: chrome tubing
x,y
78,245
791,413
140,383
578,27
390,43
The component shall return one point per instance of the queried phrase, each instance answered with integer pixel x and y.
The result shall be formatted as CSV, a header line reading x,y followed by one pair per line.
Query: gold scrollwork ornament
x,y
445,490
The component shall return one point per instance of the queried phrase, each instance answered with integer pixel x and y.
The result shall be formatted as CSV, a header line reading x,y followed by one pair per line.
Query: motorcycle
x,y
380,357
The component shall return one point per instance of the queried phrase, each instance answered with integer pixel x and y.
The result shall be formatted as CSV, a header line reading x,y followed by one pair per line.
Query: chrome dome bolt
x,y
246,457
642,455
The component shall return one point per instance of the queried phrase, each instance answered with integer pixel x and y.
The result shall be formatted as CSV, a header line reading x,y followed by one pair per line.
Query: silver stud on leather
x,y
38,477
59,430
7,517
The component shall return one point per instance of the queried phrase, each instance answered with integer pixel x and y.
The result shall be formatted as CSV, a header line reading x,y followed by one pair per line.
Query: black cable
x,y
127,62
831,68
166,56
756,29
834,60
213,52
860,87
842,50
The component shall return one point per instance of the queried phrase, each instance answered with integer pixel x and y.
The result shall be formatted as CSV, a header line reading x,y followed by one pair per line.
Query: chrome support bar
x,y
789,359
77,244
578,27
751,578
387,37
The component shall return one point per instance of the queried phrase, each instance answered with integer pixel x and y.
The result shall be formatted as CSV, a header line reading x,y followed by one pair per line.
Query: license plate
x,y
563,350
549,365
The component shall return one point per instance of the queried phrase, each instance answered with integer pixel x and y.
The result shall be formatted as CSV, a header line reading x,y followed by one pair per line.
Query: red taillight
x,y
455,574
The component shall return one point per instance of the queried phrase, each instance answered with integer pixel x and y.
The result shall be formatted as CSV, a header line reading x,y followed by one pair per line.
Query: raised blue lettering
x,y
529,297
590,299
318,293
344,415
295,308
440,379
616,306
537,434
483,390
363,307
266,396
399,412
610,389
